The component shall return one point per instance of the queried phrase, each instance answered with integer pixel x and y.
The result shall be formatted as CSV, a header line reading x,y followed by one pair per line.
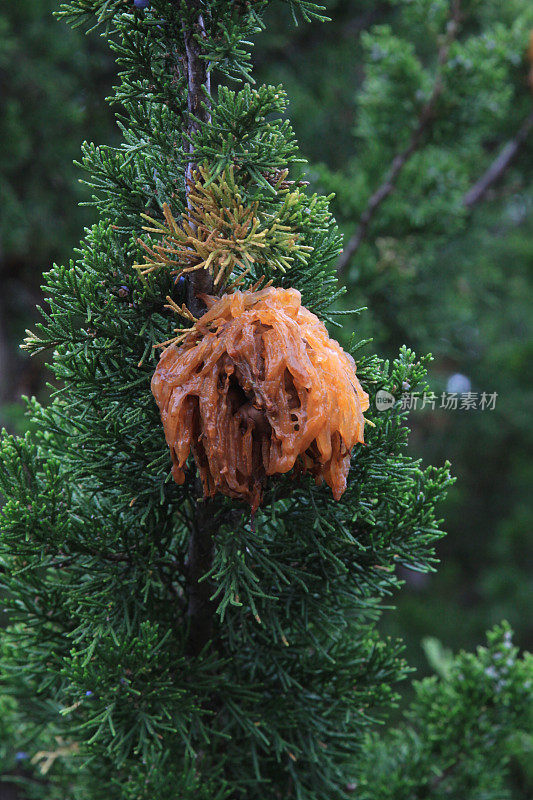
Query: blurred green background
x,y
434,273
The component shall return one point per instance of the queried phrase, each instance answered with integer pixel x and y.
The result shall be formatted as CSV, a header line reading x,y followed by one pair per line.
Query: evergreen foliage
x,y
445,89
52,83
102,689
94,536
476,705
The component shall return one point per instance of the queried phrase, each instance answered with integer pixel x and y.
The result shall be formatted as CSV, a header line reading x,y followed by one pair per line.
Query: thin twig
x,y
499,165
400,160
200,608
449,770
198,106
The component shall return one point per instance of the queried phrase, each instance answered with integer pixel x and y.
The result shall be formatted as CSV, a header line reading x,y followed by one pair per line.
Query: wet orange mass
x,y
255,389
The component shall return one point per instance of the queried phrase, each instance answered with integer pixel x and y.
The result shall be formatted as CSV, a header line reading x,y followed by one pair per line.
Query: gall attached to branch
x,y
258,388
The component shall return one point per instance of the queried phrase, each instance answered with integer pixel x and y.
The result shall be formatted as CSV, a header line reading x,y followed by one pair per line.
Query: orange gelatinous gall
x,y
255,389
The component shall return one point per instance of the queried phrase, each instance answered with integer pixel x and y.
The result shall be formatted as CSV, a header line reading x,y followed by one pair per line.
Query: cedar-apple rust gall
x,y
257,388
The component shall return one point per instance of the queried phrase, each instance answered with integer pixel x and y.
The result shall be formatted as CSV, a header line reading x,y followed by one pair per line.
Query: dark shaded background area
x,y
468,300
52,84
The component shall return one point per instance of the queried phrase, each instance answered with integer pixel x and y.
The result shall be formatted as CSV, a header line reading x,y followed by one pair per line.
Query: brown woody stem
x,y
200,608
499,165
425,119
198,106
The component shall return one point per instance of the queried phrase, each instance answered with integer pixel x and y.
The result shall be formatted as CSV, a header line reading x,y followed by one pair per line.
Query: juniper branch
x,y
500,164
198,107
399,161
200,609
